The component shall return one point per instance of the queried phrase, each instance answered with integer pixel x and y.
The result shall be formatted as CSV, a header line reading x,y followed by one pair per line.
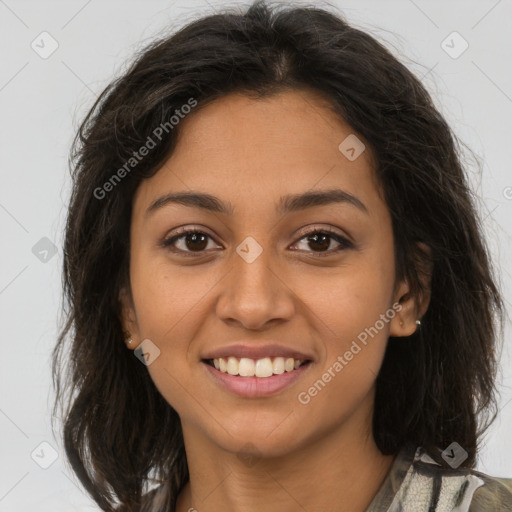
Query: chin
x,y
264,439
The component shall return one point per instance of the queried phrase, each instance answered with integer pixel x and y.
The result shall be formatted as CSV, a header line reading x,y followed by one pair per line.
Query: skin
x,y
271,453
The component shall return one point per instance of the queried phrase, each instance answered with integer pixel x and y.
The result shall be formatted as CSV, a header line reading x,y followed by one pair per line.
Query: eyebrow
x,y
287,204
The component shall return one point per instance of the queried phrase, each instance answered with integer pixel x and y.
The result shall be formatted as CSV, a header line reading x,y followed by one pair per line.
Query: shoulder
x,y
494,495
446,489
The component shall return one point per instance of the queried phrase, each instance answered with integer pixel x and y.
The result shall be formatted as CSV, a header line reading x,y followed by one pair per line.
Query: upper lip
x,y
256,352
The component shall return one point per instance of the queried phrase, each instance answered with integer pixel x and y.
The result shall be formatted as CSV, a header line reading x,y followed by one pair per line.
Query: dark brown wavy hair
x,y
434,387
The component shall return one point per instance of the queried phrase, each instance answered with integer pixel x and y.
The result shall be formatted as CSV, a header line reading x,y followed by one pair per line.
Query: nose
x,y
255,293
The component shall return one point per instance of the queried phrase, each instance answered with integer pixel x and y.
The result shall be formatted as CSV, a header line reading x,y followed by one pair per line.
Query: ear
x,y
413,307
128,318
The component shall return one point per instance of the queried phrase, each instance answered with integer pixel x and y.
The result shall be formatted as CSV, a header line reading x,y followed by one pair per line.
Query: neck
x,y
340,471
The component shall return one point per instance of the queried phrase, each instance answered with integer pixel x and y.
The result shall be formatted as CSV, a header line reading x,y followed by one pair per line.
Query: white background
x,y
42,101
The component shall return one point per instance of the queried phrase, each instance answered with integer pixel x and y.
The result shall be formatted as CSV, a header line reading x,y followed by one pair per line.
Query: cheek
x,y
170,304
166,295
354,347
350,309
347,300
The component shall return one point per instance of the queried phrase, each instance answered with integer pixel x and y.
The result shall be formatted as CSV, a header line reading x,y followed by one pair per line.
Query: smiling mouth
x,y
262,368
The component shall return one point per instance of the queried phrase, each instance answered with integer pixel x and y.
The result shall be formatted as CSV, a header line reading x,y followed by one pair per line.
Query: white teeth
x,y
265,367
246,367
278,366
232,366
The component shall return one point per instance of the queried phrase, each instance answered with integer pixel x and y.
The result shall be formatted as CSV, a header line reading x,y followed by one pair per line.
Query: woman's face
x,y
253,285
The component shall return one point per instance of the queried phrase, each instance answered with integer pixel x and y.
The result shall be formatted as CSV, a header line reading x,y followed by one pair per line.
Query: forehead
x,y
239,147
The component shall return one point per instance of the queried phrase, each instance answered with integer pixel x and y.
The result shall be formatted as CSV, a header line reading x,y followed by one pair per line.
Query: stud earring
x,y
418,322
130,342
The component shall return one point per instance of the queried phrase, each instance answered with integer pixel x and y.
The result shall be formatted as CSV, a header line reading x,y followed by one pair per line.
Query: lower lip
x,y
254,387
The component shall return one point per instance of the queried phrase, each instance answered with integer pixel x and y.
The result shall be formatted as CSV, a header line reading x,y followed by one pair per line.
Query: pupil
x,y
194,238
314,238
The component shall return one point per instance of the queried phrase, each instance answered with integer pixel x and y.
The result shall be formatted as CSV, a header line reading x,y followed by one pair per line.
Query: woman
x,y
280,294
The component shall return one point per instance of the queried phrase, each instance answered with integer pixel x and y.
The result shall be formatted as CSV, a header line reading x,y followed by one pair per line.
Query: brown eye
x,y
319,241
189,240
196,241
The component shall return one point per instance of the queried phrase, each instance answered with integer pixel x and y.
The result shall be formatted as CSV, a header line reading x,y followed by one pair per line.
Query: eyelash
x,y
344,243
